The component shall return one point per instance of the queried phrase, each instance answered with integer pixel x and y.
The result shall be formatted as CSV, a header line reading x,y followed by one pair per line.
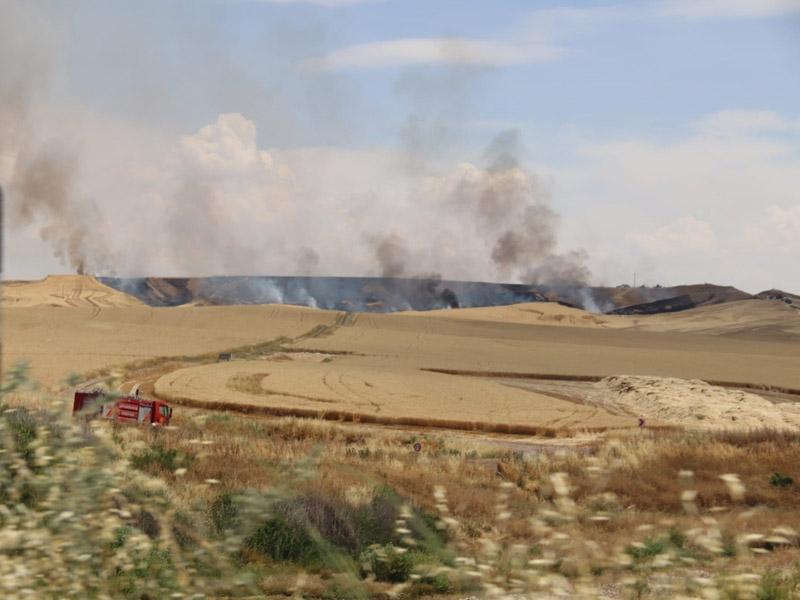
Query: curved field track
x,y
374,390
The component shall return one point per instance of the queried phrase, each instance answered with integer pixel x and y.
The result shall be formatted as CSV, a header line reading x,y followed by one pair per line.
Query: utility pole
x,y
634,279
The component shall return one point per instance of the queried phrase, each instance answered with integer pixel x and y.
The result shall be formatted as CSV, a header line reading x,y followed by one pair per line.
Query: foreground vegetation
x,y
223,506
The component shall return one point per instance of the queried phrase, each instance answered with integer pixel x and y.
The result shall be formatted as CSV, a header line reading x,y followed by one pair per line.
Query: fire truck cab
x,y
127,409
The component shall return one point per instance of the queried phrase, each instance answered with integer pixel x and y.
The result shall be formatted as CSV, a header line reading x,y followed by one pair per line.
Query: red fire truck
x,y
128,409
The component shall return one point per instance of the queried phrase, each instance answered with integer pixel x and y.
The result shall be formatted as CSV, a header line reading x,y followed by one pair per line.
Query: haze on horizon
x,y
513,141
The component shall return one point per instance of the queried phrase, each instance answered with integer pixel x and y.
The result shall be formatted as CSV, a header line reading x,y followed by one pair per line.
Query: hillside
x,y
645,301
65,291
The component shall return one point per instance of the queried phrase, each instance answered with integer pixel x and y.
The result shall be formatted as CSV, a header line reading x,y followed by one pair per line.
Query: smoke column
x,y
391,252
41,186
512,217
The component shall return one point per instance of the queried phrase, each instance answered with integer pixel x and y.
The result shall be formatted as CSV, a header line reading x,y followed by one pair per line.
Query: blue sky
x,y
664,135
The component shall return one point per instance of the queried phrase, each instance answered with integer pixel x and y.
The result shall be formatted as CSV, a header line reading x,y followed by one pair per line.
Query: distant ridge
x,y
352,294
674,299
377,294
366,294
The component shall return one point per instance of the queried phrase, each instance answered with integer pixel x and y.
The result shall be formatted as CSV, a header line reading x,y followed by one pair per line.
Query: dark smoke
x,y
426,292
519,225
450,298
391,252
42,191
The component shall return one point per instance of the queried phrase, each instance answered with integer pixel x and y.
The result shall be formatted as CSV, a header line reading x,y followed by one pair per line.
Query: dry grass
x,y
635,474
612,516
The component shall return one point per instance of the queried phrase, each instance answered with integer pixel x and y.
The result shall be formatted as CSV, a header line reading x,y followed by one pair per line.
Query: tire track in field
x,y
366,396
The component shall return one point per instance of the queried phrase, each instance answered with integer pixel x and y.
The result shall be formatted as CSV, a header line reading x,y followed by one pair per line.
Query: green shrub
x,y
375,523
676,538
779,480
23,429
729,547
387,563
284,539
430,585
155,458
775,586
223,514
303,530
647,549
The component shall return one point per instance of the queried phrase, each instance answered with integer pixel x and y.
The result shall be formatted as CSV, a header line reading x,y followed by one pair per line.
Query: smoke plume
x,y
391,252
42,174
514,220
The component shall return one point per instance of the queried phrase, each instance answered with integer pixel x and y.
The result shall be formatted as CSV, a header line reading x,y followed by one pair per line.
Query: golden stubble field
x,y
376,367
60,339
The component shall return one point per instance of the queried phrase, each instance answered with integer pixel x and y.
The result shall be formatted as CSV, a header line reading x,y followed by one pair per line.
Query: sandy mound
x,y
531,313
696,404
64,290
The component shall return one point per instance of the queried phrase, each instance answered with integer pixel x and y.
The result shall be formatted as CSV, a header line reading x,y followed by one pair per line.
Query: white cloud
x,y
744,122
228,147
786,221
778,230
434,51
532,39
742,9
686,235
702,174
638,199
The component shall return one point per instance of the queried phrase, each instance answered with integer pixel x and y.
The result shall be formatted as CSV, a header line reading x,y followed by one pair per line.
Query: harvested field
x,y
475,345
374,390
58,341
531,313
